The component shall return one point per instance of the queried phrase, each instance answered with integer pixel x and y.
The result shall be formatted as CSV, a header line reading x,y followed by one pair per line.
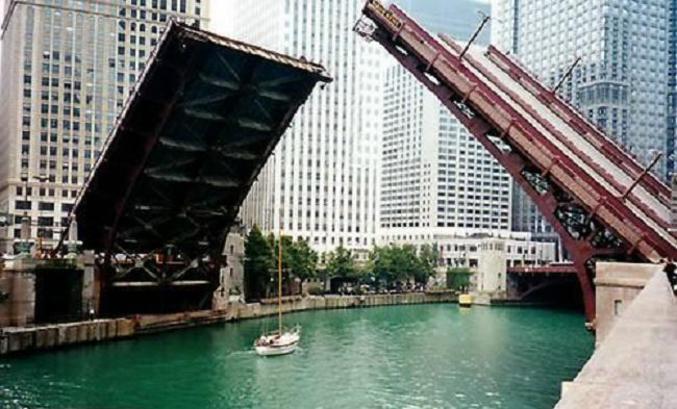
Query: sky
x,y
457,18
221,18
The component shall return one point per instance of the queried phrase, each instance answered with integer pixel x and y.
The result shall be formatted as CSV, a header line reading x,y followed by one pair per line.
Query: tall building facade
x,y
624,81
436,178
67,69
437,181
321,182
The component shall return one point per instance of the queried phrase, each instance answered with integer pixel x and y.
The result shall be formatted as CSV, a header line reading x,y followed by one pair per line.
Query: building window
x,y
23,205
45,221
47,206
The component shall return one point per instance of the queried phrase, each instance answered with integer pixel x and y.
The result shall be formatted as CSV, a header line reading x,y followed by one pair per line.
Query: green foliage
x,y
394,263
458,278
428,257
298,258
287,244
387,265
258,264
261,261
315,291
303,260
341,263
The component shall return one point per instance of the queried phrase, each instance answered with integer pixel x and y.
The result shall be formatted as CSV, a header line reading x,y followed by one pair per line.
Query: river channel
x,y
423,356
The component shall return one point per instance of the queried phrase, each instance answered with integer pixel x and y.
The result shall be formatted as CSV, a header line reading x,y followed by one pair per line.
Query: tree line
x,y
387,266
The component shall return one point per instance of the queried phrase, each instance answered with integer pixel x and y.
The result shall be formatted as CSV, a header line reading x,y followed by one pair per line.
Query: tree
x,y
428,259
303,260
458,278
378,264
341,263
258,264
287,250
392,264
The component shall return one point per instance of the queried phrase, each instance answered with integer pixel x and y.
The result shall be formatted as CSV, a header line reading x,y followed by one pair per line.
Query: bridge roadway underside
x,y
602,203
545,285
203,119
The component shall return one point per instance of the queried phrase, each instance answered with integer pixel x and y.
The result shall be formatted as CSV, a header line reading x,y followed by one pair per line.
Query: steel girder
x,y
203,119
592,222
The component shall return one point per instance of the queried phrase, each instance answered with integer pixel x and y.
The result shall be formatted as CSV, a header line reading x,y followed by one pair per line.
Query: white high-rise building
x,y
67,69
624,81
321,184
437,179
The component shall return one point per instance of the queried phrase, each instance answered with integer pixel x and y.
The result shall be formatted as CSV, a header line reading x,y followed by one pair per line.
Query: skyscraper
x,y
436,179
624,81
321,184
67,69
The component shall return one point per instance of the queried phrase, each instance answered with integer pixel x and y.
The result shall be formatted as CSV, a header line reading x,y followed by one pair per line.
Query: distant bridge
x,y
554,282
548,269
600,200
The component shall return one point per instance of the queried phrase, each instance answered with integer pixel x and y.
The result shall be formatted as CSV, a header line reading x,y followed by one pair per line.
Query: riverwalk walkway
x,y
636,364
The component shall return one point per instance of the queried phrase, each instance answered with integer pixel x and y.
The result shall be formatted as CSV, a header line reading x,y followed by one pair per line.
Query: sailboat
x,y
281,341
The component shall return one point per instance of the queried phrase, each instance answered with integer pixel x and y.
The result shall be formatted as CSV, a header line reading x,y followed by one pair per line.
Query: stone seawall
x,y
23,339
29,339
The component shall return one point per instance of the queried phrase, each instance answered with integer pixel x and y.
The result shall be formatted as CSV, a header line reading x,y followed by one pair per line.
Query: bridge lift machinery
x,y
195,132
601,201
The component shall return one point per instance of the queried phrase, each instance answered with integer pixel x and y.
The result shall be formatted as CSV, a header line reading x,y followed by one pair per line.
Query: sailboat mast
x,y
279,285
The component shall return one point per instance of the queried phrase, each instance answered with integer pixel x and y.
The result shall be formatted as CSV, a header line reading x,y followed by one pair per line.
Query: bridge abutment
x,y
36,290
635,362
617,285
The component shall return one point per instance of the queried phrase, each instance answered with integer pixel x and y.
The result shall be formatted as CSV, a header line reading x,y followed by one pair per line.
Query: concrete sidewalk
x,y
636,364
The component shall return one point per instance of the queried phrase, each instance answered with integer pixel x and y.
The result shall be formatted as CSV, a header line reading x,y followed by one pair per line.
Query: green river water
x,y
423,356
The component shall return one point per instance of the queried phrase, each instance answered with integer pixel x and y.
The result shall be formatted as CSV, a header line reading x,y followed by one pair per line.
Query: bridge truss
x,y
201,122
601,201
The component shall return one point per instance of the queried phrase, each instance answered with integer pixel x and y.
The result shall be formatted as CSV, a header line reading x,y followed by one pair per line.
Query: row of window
x,y
42,206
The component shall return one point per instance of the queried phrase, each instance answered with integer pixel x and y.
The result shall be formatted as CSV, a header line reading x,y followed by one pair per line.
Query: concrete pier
x,y
17,284
617,285
636,364
34,291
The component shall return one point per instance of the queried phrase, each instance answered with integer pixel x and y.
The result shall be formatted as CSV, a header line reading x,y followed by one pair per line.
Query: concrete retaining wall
x,y
25,339
636,364
29,339
617,284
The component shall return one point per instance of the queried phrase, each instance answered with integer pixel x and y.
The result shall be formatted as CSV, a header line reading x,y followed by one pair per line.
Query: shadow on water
x,y
561,293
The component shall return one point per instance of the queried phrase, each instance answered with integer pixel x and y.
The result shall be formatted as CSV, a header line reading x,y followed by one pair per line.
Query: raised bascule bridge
x,y
604,205
195,132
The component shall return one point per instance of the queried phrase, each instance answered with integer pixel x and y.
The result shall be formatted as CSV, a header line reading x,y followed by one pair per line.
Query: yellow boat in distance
x,y
465,300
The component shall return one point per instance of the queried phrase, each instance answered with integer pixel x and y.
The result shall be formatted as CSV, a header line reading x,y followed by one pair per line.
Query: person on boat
x,y
263,342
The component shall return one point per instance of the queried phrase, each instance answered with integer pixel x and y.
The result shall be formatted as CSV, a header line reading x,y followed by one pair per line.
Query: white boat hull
x,y
268,351
271,345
